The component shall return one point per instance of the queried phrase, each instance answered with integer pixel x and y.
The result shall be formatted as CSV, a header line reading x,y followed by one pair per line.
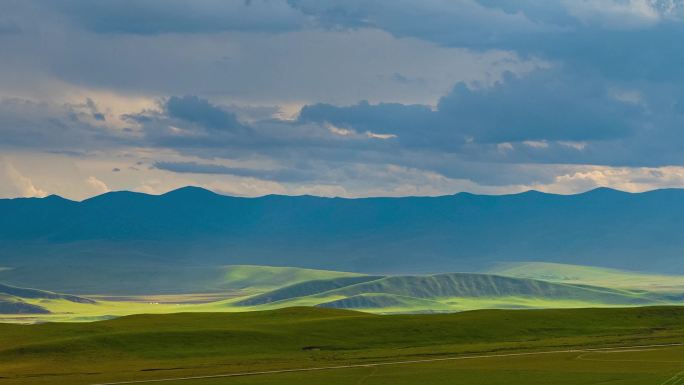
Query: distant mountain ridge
x,y
461,232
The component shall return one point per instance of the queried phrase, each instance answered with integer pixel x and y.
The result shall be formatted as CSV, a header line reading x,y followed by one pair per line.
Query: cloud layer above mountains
x,y
340,98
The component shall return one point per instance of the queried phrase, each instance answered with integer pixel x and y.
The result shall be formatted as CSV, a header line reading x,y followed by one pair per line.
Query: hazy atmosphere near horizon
x,y
363,192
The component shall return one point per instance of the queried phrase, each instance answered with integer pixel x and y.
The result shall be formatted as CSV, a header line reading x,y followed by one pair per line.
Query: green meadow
x,y
476,347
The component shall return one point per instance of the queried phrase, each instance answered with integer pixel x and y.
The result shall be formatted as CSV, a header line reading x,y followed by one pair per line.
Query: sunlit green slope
x,y
444,292
17,300
268,277
591,275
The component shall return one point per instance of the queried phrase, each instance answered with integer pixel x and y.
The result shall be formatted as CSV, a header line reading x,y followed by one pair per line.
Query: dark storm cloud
x,y
606,89
196,110
193,122
546,105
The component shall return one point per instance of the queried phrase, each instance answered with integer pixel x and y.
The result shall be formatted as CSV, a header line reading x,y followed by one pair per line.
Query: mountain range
x,y
188,234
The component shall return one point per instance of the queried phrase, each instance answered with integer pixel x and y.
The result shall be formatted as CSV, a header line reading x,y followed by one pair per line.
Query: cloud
x,y
59,53
13,183
283,175
618,14
622,178
548,105
396,97
149,17
483,135
380,136
463,23
598,35
192,109
97,185
40,125
410,123
190,121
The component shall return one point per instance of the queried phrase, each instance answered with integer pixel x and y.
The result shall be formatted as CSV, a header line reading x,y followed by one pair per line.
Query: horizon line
x,y
193,187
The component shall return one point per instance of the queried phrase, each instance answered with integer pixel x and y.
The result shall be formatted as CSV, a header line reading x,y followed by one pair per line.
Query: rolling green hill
x,y
486,285
247,288
303,289
445,292
269,277
17,300
40,294
590,275
386,303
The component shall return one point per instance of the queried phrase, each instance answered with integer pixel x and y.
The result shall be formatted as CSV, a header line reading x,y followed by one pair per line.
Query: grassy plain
x,y
615,368
148,347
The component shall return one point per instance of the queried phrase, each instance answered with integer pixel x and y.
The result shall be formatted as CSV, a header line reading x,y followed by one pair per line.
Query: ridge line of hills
x,y
446,285
13,300
187,235
202,190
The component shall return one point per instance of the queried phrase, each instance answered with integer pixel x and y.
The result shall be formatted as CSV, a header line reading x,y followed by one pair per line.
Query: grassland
x,y
579,368
590,275
148,347
252,288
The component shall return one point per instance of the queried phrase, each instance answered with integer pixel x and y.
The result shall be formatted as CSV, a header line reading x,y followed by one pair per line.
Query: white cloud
x,y
579,146
627,96
503,147
536,143
340,131
632,179
380,136
615,14
98,186
13,183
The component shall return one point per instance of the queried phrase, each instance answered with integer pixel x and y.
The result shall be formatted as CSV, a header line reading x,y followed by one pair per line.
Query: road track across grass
x,y
390,363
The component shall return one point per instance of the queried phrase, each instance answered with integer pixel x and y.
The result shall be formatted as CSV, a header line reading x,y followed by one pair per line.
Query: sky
x,y
348,98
